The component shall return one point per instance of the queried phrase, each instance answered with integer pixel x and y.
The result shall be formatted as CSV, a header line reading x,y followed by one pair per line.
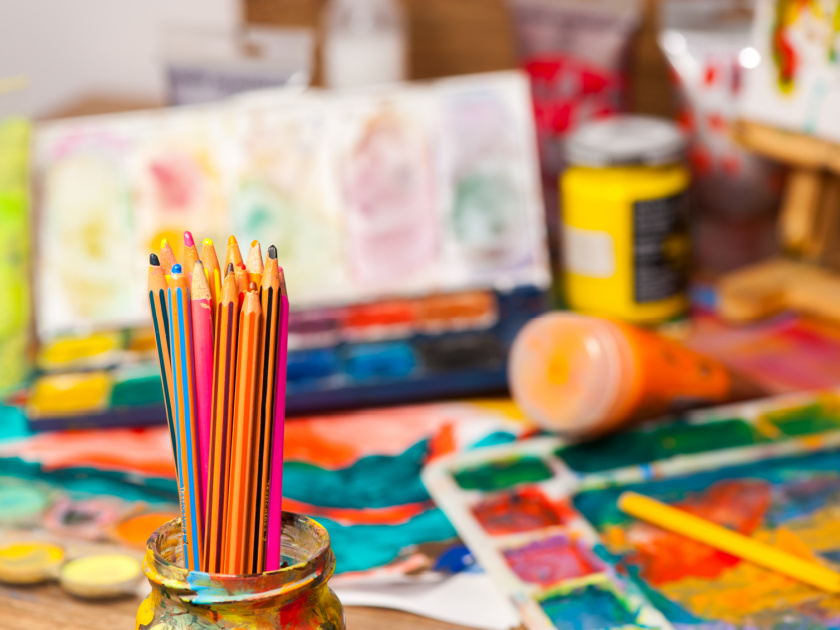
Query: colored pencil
x,y
242,281
167,257
738,545
201,310
270,303
241,495
185,420
214,272
160,321
233,254
273,553
254,264
224,375
190,255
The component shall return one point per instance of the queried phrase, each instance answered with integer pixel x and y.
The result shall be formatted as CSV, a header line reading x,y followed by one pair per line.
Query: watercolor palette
x,y
379,353
541,517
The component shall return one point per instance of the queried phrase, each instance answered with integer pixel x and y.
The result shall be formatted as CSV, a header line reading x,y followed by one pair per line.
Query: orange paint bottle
x,y
583,376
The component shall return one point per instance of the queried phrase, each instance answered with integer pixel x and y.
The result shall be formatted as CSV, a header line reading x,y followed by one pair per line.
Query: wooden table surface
x,y
49,608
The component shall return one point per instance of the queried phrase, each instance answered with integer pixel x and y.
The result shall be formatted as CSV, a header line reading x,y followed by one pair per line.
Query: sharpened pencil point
x,y
154,260
229,269
254,243
176,268
164,243
232,240
188,239
208,242
272,252
252,286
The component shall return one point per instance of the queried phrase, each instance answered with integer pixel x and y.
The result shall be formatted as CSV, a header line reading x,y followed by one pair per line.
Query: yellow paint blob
x,y
29,563
68,393
72,349
106,575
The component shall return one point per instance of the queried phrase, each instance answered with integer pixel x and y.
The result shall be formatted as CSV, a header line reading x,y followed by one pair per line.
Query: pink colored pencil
x,y
201,305
273,551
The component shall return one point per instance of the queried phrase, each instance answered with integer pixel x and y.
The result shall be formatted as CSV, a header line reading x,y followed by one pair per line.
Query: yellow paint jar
x,y
626,247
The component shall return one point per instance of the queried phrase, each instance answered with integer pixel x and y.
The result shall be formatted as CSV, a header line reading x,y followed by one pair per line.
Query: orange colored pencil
x,y
254,265
185,416
270,305
241,495
167,257
214,272
224,375
241,279
233,254
160,320
190,255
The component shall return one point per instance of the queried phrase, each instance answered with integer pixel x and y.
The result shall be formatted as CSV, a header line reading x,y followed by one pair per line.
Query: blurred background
x,y
467,198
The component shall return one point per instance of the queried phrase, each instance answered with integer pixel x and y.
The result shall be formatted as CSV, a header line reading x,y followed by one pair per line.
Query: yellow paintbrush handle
x,y
738,545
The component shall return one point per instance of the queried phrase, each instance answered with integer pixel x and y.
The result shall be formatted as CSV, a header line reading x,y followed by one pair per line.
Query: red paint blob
x,y
522,510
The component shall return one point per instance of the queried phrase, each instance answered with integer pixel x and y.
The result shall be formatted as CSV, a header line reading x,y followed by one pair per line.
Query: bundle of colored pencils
x,y
221,340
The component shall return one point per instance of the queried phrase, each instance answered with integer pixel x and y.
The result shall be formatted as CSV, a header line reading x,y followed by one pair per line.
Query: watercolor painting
x,y
358,182
768,469
794,86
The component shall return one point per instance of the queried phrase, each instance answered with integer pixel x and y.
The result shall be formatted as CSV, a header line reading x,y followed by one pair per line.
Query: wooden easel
x,y
807,276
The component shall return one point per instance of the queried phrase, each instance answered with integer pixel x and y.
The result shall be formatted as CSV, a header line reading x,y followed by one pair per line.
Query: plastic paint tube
x,y
584,376
576,53
735,193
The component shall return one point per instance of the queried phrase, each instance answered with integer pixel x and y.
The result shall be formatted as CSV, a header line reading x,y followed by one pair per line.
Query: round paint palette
x,y
30,562
102,576
22,503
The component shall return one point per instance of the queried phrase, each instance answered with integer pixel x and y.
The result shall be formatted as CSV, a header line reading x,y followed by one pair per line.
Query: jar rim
x,y
200,587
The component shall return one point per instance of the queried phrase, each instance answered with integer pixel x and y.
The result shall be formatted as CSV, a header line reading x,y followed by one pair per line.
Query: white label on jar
x,y
588,252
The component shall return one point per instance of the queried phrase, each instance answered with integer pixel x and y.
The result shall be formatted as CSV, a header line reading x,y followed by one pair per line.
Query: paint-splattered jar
x,y
295,597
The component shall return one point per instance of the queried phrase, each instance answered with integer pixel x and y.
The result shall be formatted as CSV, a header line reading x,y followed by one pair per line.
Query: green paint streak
x,y
503,473
588,608
362,547
137,392
813,418
641,447
372,482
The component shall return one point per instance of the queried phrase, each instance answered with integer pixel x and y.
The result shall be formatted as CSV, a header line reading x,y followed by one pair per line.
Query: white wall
x,y
73,48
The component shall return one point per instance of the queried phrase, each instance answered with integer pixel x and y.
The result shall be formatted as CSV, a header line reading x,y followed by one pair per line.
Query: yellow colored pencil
x,y
224,375
185,416
241,495
738,545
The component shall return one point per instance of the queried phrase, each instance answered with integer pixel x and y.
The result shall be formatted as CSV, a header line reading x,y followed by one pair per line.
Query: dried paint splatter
x,y
549,561
520,511
588,608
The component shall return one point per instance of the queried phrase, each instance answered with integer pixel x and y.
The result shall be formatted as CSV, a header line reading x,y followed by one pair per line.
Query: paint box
x,y
541,517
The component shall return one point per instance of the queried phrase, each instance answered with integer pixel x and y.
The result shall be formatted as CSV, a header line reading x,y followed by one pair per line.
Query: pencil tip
x,y
176,268
229,268
252,286
208,242
254,243
154,261
242,266
164,243
188,239
272,252
232,240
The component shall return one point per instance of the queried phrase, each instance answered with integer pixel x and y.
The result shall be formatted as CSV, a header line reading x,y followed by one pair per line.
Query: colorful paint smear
x,y
589,608
519,511
657,443
552,560
503,473
791,502
821,415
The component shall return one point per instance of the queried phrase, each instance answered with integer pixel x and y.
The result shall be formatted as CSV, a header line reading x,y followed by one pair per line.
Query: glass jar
x,y
293,597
